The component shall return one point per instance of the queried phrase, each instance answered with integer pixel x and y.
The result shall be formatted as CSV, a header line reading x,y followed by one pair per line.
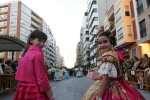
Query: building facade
x,y
142,20
78,55
18,20
85,42
129,21
96,10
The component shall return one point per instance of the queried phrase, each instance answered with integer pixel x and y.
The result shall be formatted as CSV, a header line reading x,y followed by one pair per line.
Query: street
x,y
69,89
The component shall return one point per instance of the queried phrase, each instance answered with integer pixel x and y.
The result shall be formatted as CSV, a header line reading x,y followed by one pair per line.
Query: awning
x,y
9,43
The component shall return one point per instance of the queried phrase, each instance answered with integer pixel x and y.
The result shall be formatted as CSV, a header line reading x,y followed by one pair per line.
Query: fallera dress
x,y
66,75
118,88
32,76
56,74
79,73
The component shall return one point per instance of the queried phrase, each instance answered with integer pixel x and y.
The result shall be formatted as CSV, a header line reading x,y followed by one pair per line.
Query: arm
x,y
41,75
103,86
107,70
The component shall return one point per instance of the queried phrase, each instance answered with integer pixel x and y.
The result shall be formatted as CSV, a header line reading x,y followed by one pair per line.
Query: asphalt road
x,y
69,89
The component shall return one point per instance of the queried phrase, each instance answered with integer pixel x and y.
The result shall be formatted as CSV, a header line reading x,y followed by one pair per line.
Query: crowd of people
x,y
61,73
93,73
58,73
139,65
8,67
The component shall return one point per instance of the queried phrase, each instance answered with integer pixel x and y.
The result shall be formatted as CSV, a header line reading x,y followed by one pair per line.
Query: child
x,y
111,85
31,72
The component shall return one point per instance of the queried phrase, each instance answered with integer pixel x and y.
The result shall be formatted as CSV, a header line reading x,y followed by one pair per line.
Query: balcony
x,y
3,33
3,25
4,10
36,26
112,26
143,32
3,18
110,12
140,9
35,19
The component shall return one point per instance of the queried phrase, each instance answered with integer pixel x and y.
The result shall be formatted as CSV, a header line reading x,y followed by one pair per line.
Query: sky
x,y
65,19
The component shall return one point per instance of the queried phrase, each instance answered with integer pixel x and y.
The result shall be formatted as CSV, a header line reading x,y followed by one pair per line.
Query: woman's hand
x,y
108,59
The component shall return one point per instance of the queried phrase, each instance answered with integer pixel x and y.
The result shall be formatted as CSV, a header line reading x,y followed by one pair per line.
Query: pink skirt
x,y
93,75
29,91
119,89
89,74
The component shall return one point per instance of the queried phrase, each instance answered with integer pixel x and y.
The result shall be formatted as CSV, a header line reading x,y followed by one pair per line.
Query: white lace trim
x,y
108,68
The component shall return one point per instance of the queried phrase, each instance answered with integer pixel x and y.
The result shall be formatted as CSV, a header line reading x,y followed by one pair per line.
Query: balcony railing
x,y
112,25
148,2
140,8
143,32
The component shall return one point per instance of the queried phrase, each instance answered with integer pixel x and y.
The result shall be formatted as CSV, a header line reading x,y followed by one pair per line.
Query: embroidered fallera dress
x,y
32,76
118,88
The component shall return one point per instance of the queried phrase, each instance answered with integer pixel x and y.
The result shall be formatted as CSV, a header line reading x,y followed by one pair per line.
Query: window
x,y
148,2
139,6
87,32
94,19
133,52
118,15
4,16
23,37
94,2
13,13
127,12
93,11
13,21
23,29
120,34
143,28
90,5
87,39
13,28
129,30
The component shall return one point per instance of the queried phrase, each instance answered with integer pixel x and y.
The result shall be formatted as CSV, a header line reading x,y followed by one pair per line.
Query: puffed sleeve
x,y
40,72
108,68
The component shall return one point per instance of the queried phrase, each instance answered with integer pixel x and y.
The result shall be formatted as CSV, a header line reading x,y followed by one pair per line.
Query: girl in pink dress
x,y
111,85
31,74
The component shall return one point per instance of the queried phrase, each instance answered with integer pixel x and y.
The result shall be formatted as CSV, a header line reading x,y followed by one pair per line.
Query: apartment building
x,y
96,10
142,18
58,57
62,61
18,20
120,21
84,42
78,55
129,20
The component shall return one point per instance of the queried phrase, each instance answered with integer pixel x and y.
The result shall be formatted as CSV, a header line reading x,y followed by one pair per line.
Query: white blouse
x,y
108,68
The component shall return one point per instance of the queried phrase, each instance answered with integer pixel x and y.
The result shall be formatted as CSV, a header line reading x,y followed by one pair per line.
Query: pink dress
x,y
93,75
32,76
118,88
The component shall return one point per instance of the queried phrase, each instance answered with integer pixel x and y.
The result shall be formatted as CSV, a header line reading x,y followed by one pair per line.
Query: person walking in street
x,y
56,75
53,72
111,85
31,73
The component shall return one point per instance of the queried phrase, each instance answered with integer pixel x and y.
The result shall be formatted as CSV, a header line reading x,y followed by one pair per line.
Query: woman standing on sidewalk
x,y
31,73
